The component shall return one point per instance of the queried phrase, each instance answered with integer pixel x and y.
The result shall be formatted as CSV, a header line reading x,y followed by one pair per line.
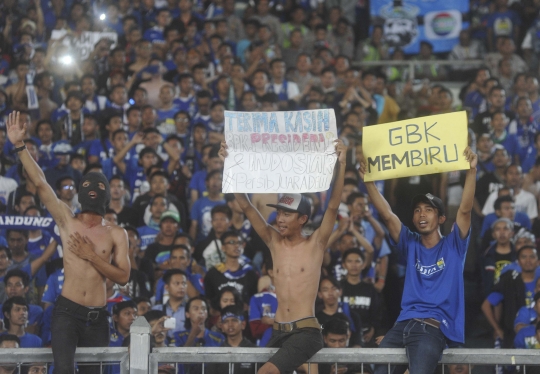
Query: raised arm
x,y
118,159
46,255
463,218
258,222
329,219
390,219
16,132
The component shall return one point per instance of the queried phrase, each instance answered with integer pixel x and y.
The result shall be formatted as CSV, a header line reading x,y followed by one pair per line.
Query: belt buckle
x,y
288,326
91,314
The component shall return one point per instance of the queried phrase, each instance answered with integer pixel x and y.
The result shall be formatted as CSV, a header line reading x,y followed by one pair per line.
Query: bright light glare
x,y
102,16
66,60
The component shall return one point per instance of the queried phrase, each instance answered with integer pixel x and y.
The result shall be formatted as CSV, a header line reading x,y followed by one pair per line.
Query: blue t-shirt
x,y
526,338
45,328
434,286
36,246
148,236
200,212
198,182
210,339
263,304
53,288
195,279
526,315
35,314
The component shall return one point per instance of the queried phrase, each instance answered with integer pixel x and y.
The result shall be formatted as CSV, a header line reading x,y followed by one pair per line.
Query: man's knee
x,y
268,368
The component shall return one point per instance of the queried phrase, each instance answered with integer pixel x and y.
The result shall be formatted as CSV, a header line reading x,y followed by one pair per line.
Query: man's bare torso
x,y
297,270
83,283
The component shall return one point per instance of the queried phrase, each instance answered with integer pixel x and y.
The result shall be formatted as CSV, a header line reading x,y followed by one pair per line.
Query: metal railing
x,y
410,64
141,360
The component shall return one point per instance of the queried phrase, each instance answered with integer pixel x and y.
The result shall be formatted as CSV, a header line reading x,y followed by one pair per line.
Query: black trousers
x,y
74,325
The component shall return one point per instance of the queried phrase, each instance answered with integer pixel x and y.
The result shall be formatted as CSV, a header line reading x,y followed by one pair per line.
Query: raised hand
x,y
341,150
83,247
471,157
16,130
223,151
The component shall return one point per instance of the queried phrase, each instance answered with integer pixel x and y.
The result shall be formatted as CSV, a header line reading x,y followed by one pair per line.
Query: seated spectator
x,y
500,135
124,314
330,293
502,22
432,71
466,49
528,337
17,283
201,217
196,334
144,305
179,257
525,201
175,285
62,151
158,205
208,251
168,228
505,49
499,254
197,185
114,296
9,341
230,271
156,319
67,193
15,312
504,208
124,213
233,325
528,314
262,309
336,334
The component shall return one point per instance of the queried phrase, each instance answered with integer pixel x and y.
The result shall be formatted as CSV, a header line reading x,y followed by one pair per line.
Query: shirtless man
x,y
80,314
297,269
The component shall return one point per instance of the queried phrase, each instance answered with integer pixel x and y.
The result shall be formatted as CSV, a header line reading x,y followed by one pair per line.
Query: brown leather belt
x,y
429,321
300,324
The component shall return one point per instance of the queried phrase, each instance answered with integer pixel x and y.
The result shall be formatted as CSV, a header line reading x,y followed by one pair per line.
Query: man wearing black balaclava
x,y
94,249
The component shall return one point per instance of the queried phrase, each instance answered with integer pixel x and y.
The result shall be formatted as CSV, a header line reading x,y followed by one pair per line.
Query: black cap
x,y
294,202
428,198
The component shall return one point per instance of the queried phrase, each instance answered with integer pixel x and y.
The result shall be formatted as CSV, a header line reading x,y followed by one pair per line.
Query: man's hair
x,y
211,174
7,250
22,194
353,196
228,234
64,178
221,209
10,338
233,309
154,315
237,297
17,273
184,235
22,232
187,323
351,251
350,181
169,274
118,307
336,325
332,280
524,248
8,305
502,199
180,246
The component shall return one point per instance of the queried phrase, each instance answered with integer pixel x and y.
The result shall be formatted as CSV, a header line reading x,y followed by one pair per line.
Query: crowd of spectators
x,y
144,104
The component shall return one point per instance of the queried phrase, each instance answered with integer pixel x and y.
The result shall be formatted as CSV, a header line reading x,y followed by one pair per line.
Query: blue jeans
x,y
423,344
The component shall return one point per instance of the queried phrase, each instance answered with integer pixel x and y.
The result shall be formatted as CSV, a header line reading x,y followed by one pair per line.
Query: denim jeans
x,y
70,329
423,344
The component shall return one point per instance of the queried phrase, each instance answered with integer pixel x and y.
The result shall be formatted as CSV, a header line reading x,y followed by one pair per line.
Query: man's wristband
x,y
17,150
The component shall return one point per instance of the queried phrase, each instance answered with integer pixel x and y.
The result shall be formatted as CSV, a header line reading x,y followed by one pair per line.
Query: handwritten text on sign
x,y
279,151
419,146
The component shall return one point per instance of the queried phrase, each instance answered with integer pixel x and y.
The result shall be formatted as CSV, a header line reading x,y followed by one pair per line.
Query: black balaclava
x,y
103,197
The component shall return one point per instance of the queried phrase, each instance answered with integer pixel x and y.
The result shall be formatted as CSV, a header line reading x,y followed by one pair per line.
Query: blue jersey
x,y
434,286
261,305
148,236
526,315
198,182
200,212
53,288
526,338
195,279
210,339
35,314
36,246
45,328
115,339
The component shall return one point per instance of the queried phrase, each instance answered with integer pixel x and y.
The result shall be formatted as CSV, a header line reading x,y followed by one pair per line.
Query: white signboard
x,y
83,44
273,152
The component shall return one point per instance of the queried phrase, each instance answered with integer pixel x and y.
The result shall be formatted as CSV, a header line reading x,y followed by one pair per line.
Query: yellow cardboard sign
x,y
418,146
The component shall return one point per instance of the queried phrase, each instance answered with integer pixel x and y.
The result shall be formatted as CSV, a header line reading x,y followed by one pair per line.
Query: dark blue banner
x,y
30,223
408,22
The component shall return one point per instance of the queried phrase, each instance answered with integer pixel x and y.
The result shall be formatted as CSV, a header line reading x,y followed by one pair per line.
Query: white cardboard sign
x,y
276,152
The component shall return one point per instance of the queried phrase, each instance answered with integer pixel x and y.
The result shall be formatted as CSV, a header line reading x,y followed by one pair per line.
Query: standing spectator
x,y
502,22
201,209
176,285
467,49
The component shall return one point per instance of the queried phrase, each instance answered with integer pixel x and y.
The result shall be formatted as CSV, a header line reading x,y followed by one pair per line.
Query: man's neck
x,y
503,249
234,341
528,276
74,114
232,264
277,80
117,205
166,106
17,330
432,239
214,196
166,240
19,256
331,309
124,333
175,303
353,279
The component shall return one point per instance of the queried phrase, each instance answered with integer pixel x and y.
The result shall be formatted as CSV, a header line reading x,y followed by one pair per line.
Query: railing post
x,y
139,347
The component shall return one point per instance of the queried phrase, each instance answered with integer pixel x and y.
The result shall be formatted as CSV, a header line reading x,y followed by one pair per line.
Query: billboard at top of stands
x,y
408,22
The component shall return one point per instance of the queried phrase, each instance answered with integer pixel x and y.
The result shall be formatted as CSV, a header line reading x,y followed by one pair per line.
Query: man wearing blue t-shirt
x,y
15,312
433,303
